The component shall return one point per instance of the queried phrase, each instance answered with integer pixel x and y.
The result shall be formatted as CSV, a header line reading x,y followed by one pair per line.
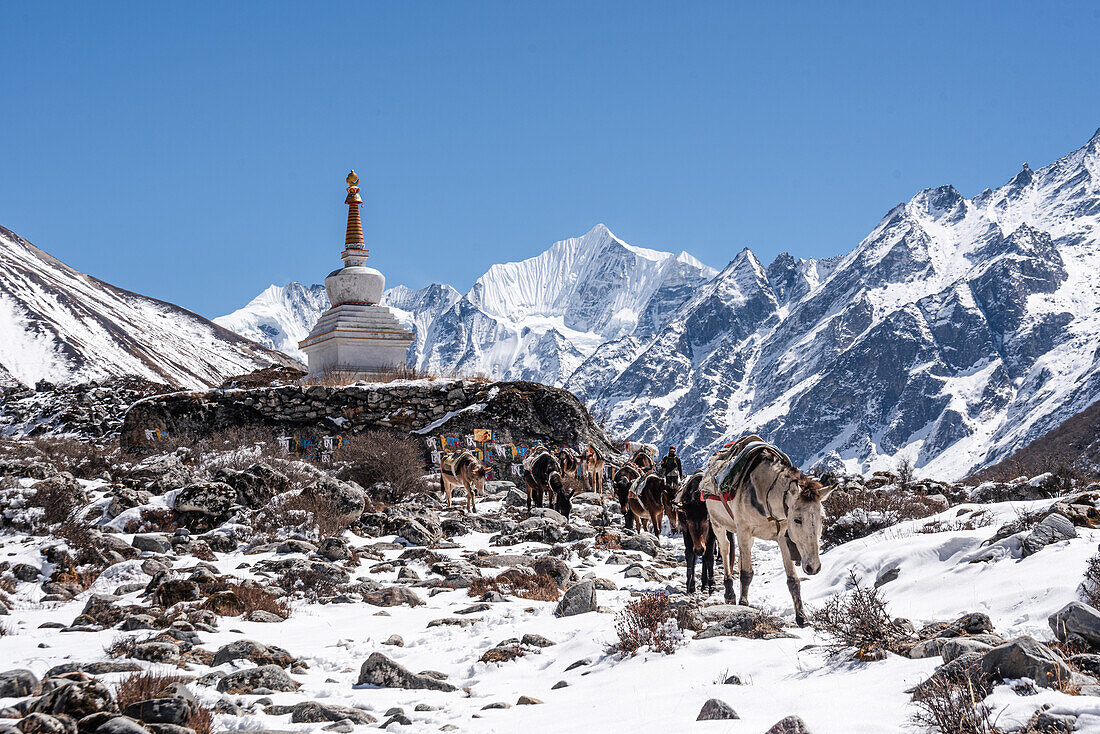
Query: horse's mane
x,y
808,487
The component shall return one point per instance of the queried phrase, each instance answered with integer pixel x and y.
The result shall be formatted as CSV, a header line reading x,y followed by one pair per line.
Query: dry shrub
x,y
82,459
252,598
954,704
58,500
295,513
340,376
144,686
648,621
387,463
534,586
122,646
859,620
310,583
856,512
1090,586
607,541
971,522
152,520
89,553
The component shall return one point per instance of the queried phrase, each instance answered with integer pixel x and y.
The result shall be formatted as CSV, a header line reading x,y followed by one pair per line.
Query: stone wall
x,y
516,412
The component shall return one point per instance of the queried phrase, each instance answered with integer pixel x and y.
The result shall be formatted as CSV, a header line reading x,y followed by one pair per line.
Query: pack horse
x,y
463,470
751,489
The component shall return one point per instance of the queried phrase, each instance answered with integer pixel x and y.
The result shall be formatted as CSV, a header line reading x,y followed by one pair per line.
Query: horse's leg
x,y
725,548
744,547
527,482
689,557
793,584
708,562
470,498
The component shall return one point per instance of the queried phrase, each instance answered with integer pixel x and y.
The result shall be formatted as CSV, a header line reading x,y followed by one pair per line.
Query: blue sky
x,y
196,152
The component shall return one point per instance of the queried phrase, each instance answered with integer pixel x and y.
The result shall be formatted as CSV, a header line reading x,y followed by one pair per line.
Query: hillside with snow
x,y
958,331
60,325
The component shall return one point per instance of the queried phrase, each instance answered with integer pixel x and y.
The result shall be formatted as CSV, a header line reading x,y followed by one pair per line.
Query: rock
x,y
255,652
958,646
379,670
1051,723
1053,528
644,542
172,591
1077,619
416,534
76,699
271,677
156,651
887,576
19,682
395,640
1025,657
740,620
293,545
527,701
559,684
928,648
120,725
556,569
256,485
974,623
392,597
334,549
578,663
162,711
789,725
348,499
260,615
152,542
714,710
39,723
733,680
309,712
532,640
25,572
207,502
578,599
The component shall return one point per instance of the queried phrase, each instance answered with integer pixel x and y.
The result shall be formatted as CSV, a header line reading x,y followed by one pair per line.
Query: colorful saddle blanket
x,y
747,452
450,461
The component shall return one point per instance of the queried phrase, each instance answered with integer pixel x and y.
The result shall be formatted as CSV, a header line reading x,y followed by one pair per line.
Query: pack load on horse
x,y
593,464
643,460
570,462
462,470
753,490
698,537
542,476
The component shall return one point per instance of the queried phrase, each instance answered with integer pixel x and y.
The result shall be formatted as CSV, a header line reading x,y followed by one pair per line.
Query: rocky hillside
x,y
1073,446
242,588
60,325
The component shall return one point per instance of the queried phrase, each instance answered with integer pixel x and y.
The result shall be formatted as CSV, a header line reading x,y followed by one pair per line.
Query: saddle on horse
x,y
450,463
748,451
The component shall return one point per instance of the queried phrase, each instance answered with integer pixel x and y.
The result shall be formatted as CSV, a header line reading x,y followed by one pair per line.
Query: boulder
x,y
958,646
1025,657
160,473
152,542
740,620
379,670
312,712
40,723
206,503
556,569
1076,619
256,652
271,677
392,597
156,651
789,725
1053,528
170,592
644,542
76,699
256,485
347,499
715,709
162,711
19,682
334,549
118,725
578,599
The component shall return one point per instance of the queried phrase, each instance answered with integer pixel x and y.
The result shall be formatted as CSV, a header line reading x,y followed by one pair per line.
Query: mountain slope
x,y
61,325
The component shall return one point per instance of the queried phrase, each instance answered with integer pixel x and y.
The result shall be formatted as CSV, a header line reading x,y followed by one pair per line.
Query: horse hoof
x,y
800,620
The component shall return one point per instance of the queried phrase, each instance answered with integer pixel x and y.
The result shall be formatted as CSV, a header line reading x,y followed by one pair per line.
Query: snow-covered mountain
x,y
958,331
61,325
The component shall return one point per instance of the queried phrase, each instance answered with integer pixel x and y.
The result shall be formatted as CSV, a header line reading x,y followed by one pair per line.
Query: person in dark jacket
x,y
671,463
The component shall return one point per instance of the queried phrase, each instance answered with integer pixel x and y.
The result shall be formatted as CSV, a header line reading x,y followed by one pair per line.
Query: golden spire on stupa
x,y
354,237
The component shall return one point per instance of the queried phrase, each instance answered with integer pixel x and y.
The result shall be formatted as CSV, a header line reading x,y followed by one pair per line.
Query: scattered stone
x,y
379,670
316,711
733,680
392,597
19,682
1025,657
715,709
271,677
579,663
162,711
527,701
789,725
1076,620
255,652
1053,528
395,640
578,599
532,640
559,684
958,646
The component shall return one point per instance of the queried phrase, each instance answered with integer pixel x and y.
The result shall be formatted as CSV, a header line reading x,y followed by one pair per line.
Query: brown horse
x,y
643,460
570,462
772,500
621,481
592,469
698,537
648,500
463,470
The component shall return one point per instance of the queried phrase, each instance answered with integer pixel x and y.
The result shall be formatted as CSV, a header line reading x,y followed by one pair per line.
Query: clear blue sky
x,y
196,151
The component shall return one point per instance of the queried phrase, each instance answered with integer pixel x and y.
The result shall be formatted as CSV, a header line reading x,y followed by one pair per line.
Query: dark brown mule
x,y
544,476
463,470
570,463
643,460
593,468
650,499
621,481
698,536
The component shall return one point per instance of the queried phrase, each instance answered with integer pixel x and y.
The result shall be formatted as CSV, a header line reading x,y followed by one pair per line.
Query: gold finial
x,y
353,180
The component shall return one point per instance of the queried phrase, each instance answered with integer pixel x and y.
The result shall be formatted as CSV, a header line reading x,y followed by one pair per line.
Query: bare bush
x,y
386,463
243,599
648,621
534,586
341,375
58,498
954,704
1090,586
307,582
293,513
905,472
607,541
81,458
859,619
152,520
856,512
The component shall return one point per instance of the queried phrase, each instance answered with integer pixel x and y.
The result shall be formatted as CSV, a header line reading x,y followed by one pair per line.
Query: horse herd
x,y
748,490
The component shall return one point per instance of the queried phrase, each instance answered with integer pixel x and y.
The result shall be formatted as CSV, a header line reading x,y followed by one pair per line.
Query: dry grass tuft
x,y
648,621
607,541
954,704
144,686
1090,586
534,586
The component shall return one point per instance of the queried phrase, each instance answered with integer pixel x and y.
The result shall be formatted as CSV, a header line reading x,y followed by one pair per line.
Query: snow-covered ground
x,y
648,692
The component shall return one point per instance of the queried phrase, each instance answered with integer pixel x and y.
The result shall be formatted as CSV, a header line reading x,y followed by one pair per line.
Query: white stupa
x,y
356,336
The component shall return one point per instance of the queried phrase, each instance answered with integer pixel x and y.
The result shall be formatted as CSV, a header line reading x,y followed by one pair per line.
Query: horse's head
x,y
804,520
480,474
